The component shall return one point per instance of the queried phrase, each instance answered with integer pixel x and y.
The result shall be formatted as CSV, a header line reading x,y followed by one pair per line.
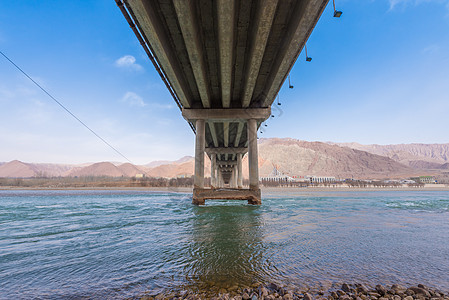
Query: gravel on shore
x,y
345,292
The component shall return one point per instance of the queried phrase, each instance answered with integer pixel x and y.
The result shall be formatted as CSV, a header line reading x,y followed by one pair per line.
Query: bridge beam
x,y
226,133
263,20
239,134
230,150
225,12
151,24
227,115
226,162
296,35
213,133
187,17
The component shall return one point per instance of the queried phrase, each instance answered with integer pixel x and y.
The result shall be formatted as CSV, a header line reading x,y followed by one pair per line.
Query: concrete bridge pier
x,y
253,162
233,178
253,157
226,156
213,171
200,145
239,171
220,183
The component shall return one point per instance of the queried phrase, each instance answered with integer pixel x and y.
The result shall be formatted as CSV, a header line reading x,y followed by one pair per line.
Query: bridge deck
x,y
228,58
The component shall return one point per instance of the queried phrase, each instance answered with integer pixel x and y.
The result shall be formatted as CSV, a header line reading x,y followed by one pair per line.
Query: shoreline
x,y
273,291
437,188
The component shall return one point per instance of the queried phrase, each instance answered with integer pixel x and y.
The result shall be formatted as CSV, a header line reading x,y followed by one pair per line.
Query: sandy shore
x,y
428,187
144,189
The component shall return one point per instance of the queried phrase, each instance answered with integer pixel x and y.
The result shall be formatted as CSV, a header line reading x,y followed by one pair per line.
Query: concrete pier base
x,y
252,196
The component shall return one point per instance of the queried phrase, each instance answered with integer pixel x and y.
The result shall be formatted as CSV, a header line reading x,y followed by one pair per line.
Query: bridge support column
x,y
213,170
219,179
239,171
200,145
253,160
236,175
231,180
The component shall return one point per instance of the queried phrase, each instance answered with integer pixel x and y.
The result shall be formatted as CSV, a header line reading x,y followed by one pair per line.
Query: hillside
x,y
130,170
98,169
180,168
158,163
421,156
295,157
17,168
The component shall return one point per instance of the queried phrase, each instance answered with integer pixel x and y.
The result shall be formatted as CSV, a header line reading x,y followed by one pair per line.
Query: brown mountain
x,y
427,165
182,167
158,163
295,157
17,168
98,169
52,169
130,170
421,156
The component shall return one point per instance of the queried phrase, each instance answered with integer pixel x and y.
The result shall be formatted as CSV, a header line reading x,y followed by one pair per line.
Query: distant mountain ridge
x,y
158,163
421,156
291,156
107,169
301,158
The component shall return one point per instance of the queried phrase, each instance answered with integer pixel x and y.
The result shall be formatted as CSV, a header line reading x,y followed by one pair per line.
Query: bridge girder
x,y
223,56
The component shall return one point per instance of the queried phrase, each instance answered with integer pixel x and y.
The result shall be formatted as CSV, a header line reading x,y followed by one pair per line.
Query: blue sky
x,y
379,74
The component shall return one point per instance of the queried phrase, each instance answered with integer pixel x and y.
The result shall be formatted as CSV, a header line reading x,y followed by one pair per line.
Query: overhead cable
x,y
66,109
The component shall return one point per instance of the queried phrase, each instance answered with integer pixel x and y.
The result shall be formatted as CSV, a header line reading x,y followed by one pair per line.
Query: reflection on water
x,y
226,247
117,244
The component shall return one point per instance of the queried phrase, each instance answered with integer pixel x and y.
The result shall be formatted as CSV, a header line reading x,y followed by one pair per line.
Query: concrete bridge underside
x,y
224,62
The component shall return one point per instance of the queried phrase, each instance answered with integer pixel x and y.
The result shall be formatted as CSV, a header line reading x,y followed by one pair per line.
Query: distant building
x,y
277,176
183,175
407,181
320,179
140,176
424,179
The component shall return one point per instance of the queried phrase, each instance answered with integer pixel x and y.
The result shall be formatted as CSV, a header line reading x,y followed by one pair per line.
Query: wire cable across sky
x,y
65,108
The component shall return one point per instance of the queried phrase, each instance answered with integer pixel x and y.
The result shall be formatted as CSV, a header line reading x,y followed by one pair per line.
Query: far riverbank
x,y
270,190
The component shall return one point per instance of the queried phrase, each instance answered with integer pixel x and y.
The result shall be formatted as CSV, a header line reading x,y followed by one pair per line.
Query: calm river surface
x,y
72,244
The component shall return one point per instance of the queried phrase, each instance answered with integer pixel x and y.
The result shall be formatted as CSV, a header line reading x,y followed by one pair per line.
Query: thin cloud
x,y
128,62
432,49
163,106
132,99
5,93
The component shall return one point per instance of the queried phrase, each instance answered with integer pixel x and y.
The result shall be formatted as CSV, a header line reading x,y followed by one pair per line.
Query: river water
x,y
94,244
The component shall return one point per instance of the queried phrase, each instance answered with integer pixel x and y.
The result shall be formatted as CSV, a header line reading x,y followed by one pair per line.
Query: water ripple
x,y
97,244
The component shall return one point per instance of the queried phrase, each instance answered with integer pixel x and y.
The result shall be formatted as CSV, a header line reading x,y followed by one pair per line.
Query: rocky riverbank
x,y
344,292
